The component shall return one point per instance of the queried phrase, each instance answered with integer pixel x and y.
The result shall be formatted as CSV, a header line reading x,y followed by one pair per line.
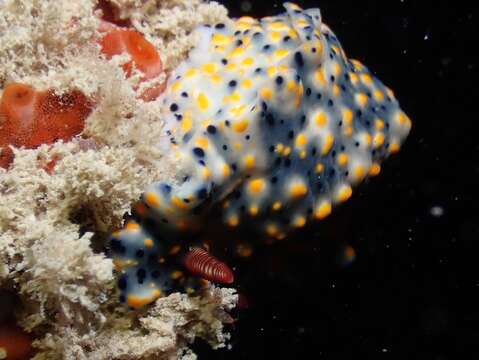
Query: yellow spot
x,y
394,148
253,210
206,173
348,117
362,99
298,190
202,142
266,93
390,92
375,170
233,220
344,193
152,199
300,221
250,162
247,84
219,39
293,34
366,79
348,131
328,144
303,154
248,61
369,140
240,126
343,159
175,275
321,119
179,203
238,146
175,250
320,77
287,151
237,52
302,23
157,293
357,65
378,140
177,86
231,67
191,72
354,78
360,172
272,71
336,90
337,69
217,78
279,26
301,140
203,102
379,124
281,53
319,168
210,68
323,210
138,302
148,243
226,170
280,149
132,226
235,97
271,230
256,186
277,206
187,124
379,95
275,36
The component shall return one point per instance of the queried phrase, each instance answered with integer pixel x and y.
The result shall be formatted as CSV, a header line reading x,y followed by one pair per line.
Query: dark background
x,y
413,290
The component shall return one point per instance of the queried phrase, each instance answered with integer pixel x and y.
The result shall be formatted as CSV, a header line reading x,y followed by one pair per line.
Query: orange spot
x,y
132,226
138,302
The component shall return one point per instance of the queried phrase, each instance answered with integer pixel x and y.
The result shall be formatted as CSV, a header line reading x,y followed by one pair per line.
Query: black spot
x,y
202,163
233,83
122,283
224,61
303,119
314,151
343,87
266,47
155,274
264,106
239,42
246,32
319,96
179,117
270,119
271,148
225,147
122,298
298,58
257,70
277,162
199,152
340,124
274,180
237,33
359,113
356,144
227,123
287,38
256,34
291,134
234,167
174,107
308,92
117,247
279,80
333,154
313,50
141,273
346,174
140,253
330,103
343,148
211,129
247,137
184,94
287,162
202,194
220,26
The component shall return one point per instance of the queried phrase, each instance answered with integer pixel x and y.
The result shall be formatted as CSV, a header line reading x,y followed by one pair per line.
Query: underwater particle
x,y
144,57
15,344
200,263
437,211
30,118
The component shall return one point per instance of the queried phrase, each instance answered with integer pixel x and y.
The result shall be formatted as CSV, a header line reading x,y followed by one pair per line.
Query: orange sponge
x,y
31,118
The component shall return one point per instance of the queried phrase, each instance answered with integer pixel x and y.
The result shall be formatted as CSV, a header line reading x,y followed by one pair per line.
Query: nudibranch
x,y
269,121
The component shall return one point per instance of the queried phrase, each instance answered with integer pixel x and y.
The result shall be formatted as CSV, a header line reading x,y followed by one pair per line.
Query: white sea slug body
x,y
271,121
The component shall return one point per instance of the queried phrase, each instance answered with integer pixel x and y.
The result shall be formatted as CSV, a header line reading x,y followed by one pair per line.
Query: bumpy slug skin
x,y
270,119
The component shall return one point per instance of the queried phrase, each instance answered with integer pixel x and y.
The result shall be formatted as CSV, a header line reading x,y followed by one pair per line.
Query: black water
x,y
413,290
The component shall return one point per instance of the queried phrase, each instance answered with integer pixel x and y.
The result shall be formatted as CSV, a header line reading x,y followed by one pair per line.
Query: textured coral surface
x,y
56,196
